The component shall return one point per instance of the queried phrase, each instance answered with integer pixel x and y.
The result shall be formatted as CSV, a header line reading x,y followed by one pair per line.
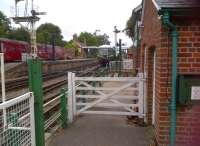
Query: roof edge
x,y
139,7
156,5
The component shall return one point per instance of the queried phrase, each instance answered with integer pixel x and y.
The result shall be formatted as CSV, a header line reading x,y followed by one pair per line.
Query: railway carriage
x,y
13,50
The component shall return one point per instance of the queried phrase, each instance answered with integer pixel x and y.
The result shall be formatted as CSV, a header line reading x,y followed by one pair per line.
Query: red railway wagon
x,y
46,52
13,50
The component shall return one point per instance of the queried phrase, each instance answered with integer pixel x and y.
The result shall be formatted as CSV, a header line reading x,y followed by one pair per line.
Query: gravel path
x,y
96,130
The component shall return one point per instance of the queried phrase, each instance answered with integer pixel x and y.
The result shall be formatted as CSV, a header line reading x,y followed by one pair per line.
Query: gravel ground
x,y
93,130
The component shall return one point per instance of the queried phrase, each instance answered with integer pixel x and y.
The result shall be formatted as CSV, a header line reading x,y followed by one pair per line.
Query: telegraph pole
x,y
34,67
31,19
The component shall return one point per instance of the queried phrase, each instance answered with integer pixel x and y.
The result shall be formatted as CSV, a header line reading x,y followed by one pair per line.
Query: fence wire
x,y
16,126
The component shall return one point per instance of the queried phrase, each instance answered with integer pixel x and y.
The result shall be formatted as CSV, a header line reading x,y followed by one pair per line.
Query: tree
x,y
4,25
45,34
103,39
19,34
93,40
72,45
130,24
88,38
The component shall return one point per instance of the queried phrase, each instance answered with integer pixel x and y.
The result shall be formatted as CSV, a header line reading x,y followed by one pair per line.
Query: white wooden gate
x,y
105,95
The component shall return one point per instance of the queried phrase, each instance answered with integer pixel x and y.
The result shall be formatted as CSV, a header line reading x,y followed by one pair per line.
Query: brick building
x,y
169,57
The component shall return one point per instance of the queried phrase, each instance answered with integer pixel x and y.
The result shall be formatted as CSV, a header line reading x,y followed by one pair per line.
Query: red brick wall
x,y
151,36
188,117
155,36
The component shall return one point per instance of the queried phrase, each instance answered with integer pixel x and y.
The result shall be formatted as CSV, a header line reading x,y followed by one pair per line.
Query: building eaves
x,y
176,4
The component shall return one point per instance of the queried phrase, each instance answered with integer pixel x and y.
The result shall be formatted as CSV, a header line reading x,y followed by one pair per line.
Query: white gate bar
x,y
20,128
104,98
15,100
113,113
113,97
3,78
32,119
109,79
141,98
103,94
88,85
105,89
70,98
124,105
109,105
145,97
3,91
74,93
51,101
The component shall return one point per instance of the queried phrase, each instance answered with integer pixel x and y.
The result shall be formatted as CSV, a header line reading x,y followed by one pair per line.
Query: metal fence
x,y
17,127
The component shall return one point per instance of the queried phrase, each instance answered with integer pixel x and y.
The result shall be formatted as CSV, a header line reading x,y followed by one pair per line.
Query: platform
x,y
93,130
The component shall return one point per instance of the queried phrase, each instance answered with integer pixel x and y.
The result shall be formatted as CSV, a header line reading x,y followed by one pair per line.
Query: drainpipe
x,y
167,23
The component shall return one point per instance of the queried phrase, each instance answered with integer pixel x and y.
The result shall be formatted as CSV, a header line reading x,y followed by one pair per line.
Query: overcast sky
x,y
75,16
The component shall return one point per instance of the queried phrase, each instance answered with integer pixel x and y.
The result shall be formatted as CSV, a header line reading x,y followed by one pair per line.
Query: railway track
x,y
23,81
51,92
51,104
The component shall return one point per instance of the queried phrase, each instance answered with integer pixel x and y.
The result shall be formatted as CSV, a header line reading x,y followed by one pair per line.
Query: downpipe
x,y
167,23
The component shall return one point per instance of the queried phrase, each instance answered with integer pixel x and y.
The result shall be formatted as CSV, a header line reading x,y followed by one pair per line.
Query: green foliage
x,y
19,34
130,27
132,22
103,39
88,38
4,25
12,33
45,34
72,45
92,39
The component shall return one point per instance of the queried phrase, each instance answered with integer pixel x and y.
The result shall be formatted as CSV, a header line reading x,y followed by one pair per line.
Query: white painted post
x,y
74,94
145,97
145,85
141,96
70,98
3,91
32,119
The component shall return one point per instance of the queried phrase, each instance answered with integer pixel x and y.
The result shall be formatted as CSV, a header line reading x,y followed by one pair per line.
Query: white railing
x,y
54,117
19,128
105,95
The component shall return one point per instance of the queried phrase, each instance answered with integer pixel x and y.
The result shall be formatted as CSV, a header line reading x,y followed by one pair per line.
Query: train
x,y
14,50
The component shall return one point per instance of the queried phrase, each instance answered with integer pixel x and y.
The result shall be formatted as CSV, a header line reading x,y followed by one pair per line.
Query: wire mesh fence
x,y
17,121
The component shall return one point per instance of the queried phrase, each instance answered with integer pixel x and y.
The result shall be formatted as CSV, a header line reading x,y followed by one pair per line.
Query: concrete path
x,y
95,130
